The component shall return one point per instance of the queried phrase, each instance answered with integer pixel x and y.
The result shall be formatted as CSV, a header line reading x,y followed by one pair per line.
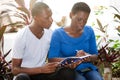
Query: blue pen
x,y
76,51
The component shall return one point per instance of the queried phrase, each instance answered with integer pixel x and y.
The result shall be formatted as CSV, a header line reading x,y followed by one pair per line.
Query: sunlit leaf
x,y
32,3
2,30
25,10
20,2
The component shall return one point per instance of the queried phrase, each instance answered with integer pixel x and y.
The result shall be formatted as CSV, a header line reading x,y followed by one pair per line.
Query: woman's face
x,y
79,20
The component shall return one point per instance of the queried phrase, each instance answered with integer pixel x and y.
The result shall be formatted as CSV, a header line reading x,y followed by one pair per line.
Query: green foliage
x,y
116,44
100,10
109,53
5,68
116,69
117,18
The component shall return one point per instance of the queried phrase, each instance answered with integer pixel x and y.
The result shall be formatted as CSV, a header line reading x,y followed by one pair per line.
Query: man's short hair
x,y
38,7
80,6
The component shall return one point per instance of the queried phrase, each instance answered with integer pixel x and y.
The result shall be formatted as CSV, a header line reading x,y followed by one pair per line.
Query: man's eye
x,y
79,19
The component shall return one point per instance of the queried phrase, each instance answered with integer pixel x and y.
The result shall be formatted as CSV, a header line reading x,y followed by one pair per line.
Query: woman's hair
x,y
38,7
80,6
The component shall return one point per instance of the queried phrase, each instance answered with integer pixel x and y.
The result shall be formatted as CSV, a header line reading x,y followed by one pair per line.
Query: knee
x,y
66,74
79,77
22,76
93,75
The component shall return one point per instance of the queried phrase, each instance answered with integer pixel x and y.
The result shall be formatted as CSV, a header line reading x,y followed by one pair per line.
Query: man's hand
x,y
49,67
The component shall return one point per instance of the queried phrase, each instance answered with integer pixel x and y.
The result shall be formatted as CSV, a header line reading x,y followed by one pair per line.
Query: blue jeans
x,y
91,75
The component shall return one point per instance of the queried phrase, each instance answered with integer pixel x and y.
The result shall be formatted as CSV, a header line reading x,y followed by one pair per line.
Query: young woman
x,y
78,40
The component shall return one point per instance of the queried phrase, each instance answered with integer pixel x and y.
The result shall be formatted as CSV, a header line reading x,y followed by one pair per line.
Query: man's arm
x,y
72,65
47,68
55,59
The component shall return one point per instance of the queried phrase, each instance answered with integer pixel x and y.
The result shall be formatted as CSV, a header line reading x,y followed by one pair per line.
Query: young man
x,y
31,46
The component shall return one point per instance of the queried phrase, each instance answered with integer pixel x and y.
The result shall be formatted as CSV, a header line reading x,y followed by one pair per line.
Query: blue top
x,y
62,45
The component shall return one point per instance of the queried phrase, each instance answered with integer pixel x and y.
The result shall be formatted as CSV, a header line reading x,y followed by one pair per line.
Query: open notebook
x,y
69,60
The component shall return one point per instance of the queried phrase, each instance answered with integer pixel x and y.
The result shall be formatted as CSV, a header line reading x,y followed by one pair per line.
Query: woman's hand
x,y
80,53
73,64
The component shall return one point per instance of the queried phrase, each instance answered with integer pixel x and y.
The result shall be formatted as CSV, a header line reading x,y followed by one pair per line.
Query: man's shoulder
x,y
22,31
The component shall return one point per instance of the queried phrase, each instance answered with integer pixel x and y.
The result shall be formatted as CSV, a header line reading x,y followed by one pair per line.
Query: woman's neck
x,y
73,31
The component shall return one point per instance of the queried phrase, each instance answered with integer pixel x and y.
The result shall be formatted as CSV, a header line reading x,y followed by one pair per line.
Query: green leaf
x,y
115,9
101,28
117,16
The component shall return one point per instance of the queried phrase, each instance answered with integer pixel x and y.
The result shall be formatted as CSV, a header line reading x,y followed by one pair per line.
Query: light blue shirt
x,y
62,45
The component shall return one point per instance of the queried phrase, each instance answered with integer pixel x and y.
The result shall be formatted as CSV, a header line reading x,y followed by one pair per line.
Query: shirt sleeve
x,y
93,46
54,50
18,47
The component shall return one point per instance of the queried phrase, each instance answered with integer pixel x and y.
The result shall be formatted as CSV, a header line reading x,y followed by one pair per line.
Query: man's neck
x,y
35,27
36,30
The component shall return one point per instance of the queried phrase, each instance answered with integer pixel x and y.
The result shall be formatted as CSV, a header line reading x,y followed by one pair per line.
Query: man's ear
x,y
35,18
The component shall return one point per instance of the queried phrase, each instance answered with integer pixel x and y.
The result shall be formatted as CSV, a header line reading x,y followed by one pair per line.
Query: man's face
x,y
79,19
44,19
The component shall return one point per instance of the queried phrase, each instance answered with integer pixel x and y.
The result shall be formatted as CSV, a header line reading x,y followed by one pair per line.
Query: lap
x,y
60,74
21,76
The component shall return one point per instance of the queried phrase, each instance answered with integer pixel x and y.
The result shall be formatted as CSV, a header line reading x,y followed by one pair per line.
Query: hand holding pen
x,y
80,53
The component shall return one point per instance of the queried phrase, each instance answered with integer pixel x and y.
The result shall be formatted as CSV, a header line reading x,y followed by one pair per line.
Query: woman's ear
x,y
70,15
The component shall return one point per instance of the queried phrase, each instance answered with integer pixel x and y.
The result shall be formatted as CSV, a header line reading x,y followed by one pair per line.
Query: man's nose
x,y
51,20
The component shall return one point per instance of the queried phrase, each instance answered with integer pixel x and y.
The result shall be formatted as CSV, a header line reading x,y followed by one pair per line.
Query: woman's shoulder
x,y
88,28
59,30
